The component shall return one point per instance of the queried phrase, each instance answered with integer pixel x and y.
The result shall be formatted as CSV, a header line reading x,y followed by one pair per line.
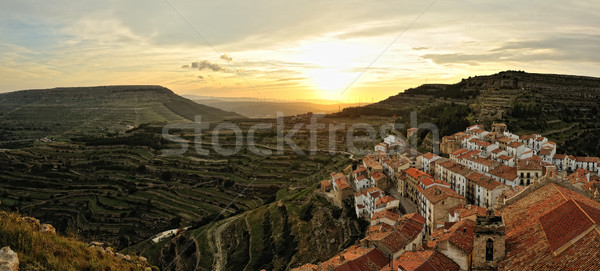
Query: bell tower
x,y
489,236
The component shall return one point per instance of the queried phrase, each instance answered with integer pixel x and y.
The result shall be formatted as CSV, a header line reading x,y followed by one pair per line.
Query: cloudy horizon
x,y
338,50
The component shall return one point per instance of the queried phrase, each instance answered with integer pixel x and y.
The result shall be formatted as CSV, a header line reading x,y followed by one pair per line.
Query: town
x,y
493,200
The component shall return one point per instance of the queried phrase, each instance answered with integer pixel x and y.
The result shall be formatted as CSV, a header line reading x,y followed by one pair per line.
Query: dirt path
x,y
249,243
220,259
559,130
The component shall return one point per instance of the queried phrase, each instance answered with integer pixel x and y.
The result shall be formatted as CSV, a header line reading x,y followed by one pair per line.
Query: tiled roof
x,y
429,156
385,200
466,210
459,152
579,176
396,237
483,181
337,175
505,157
586,159
342,184
460,235
515,144
359,169
545,151
559,156
512,191
505,172
552,228
426,260
415,173
325,183
352,258
436,194
530,164
478,131
386,214
484,143
374,258
378,175
496,151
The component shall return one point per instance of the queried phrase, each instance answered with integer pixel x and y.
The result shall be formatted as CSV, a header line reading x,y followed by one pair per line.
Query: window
x,y
489,250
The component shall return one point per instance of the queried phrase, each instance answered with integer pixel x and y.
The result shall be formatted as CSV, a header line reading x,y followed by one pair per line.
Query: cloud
x,y
226,57
206,65
576,47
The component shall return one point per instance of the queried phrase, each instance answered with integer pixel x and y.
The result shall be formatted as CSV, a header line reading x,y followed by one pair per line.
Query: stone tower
x,y
489,236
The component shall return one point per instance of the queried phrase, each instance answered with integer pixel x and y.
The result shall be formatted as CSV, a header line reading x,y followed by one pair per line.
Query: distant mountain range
x,y
268,109
43,112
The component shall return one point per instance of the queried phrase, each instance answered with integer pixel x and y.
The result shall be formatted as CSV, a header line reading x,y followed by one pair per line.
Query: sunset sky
x,y
309,49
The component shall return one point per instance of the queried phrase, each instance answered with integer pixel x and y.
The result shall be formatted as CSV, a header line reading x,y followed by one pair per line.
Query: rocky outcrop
x,y
9,261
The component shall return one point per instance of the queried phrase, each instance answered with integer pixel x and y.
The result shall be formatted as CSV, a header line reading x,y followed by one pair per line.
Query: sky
x,y
289,50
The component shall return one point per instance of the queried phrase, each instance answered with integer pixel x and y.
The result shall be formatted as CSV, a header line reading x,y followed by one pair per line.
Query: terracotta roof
x,y
529,164
426,260
505,157
374,258
478,131
436,194
475,126
496,151
586,159
541,138
370,162
325,183
342,184
378,175
512,191
483,181
385,200
395,238
515,144
386,214
360,178
559,156
466,210
459,152
415,173
460,235
545,151
579,176
337,175
500,124
505,172
429,156
484,143
552,228
359,169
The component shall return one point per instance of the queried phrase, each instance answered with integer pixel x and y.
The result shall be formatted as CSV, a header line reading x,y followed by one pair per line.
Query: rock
x,y
33,221
8,260
142,259
97,244
48,228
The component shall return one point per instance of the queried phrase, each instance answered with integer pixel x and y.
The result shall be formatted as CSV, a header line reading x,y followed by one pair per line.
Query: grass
x,y
48,251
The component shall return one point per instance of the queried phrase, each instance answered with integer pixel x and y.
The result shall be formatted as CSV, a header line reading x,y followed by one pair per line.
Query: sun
x,y
334,65
330,82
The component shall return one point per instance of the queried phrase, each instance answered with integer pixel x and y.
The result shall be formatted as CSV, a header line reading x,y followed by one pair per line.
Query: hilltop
x,y
563,108
38,113
38,248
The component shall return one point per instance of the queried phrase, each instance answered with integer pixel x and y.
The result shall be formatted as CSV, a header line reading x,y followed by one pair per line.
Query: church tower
x,y
489,236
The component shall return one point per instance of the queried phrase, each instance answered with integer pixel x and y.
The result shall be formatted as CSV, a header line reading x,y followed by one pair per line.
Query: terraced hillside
x,y
562,107
32,114
120,189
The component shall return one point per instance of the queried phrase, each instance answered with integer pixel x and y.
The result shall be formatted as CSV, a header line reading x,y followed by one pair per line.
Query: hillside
x,y
562,107
262,109
40,249
31,114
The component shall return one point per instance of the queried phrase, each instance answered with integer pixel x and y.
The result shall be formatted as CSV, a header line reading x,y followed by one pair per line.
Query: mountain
x,y
82,110
266,109
563,108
